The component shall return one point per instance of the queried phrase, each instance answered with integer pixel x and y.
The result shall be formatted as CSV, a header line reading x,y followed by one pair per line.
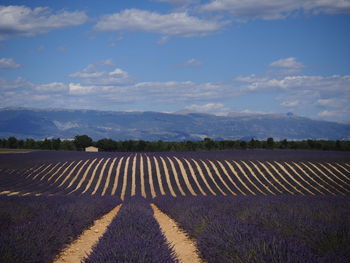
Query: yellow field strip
x,y
108,177
257,178
246,176
42,171
50,171
329,170
320,178
142,177
84,176
70,173
264,176
176,176
184,175
213,165
293,179
57,171
167,177
27,176
101,176
212,177
64,171
159,176
150,178
238,177
328,177
294,171
117,175
229,177
199,169
194,177
92,176
335,168
284,179
133,176
77,174
125,178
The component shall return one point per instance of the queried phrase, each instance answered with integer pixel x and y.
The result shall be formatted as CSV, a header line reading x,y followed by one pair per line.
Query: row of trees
x,y
82,141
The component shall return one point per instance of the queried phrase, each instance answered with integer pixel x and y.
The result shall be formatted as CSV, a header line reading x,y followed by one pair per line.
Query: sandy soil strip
x,y
142,177
328,177
312,179
108,177
125,179
184,248
293,179
176,176
335,168
133,176
42,178
42,171
64,171
213,165
274,178
159,176
263,175
194,176
70,173
284,179
200,171
84,176
248,178
212,177
319,177
150,178
167,177
257,178
230,178
27,176
303,179
82,247
343,167
92,176
117,174
101,176
185,176
59,169
238,177
77,174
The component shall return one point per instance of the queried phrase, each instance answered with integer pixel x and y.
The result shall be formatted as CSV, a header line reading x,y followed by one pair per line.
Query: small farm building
x,y
91,149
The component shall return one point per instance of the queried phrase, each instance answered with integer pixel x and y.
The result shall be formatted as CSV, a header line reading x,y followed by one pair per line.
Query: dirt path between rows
x,y
82,247
184,248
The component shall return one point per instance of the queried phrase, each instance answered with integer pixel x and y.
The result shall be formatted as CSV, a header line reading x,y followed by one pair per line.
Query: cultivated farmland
x,y
242,206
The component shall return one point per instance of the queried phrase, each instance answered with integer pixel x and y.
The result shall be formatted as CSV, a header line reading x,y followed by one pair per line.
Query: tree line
x,y
81,141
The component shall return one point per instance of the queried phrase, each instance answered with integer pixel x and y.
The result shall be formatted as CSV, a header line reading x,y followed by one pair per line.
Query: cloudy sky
x,y
214,56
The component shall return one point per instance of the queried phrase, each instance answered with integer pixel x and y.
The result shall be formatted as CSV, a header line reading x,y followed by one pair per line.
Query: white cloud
x,y
172,24
290,103
193,63
8,63
24,21
277,9
212,108
290,62
52,87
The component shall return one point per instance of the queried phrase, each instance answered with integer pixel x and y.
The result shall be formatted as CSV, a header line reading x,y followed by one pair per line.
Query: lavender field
x,y
239,206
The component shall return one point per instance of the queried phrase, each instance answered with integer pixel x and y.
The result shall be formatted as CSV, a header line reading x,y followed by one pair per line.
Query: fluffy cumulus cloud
x,y
24,21
172,24
211,108
277,9
8,63
290,62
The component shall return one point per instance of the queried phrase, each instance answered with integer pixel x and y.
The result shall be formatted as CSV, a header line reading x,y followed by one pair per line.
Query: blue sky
x,y
215,56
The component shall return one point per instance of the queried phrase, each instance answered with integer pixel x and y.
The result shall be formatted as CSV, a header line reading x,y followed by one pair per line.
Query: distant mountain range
x,y
48,123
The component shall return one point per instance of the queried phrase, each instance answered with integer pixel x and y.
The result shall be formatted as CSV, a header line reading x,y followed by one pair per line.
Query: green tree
x,y
82,141
270,143
12,143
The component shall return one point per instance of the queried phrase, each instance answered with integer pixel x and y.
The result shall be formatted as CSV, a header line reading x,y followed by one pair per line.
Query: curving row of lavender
x,y
151,175
133,236
36,229
265,229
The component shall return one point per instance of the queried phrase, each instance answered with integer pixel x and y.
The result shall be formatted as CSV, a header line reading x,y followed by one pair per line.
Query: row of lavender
x,y
265,229
155,175
36,229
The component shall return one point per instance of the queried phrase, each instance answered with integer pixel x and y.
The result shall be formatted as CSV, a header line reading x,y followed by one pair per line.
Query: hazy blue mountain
x,y
41,123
